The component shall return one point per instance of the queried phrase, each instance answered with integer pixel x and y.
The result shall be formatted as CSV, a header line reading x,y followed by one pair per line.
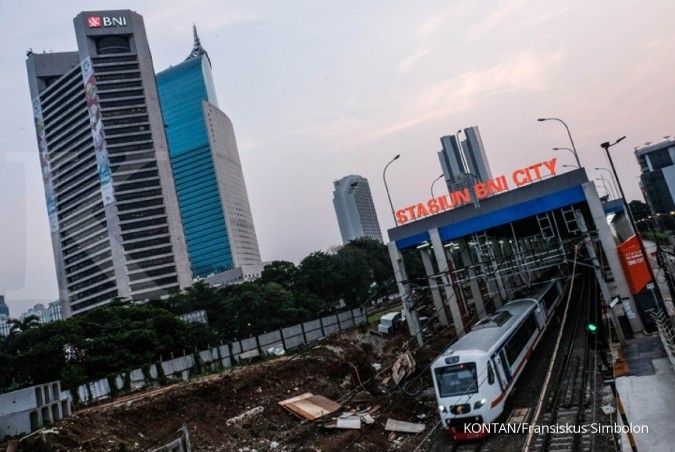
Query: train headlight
x,y
479,404
442,409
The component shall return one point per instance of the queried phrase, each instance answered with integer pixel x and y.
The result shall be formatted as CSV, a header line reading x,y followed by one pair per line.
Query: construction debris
x,y
403,427
403,366
244,416
349,422
367,419
155,413
310,406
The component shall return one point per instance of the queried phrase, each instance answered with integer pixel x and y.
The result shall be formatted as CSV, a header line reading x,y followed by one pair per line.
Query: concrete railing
x,y
272,343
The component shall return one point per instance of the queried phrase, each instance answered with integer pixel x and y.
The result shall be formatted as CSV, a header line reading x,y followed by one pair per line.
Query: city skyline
x,y
342,103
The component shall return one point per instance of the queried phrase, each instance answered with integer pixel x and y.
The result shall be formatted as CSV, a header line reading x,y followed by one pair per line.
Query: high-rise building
x,y
209,179
4,309
657,178
464,162
355,210
111,201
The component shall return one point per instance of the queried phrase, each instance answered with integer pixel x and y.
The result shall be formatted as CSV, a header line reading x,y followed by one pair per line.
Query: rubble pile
x,y
330,397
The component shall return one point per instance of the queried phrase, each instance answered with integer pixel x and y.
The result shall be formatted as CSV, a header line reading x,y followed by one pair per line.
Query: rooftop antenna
x,y
197,49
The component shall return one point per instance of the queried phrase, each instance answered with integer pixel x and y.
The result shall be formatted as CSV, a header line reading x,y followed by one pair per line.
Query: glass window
x,y
457,380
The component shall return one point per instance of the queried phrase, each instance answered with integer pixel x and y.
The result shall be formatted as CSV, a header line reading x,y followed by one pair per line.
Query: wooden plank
x,y
404,427
310,406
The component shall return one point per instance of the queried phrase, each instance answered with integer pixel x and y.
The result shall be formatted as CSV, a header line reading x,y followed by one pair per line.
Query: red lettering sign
x,y
481,190
634,265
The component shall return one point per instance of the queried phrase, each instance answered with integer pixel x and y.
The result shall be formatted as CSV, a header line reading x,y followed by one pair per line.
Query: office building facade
x,y
4,309
355,209
212,195
464,161
109,188
657,178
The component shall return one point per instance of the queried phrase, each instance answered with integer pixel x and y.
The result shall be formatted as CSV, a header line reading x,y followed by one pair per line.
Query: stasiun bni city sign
x,y
105,21
481,190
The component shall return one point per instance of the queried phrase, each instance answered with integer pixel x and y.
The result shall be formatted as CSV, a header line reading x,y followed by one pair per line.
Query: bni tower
x,y
210,184
464,161
111,201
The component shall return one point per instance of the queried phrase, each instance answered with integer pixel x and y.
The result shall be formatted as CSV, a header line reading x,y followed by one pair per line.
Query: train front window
x,y
456,380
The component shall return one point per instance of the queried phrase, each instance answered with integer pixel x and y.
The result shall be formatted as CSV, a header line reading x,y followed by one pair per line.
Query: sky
x,y
321,89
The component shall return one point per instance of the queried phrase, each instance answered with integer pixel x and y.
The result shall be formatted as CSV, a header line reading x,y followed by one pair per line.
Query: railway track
x,y
567,423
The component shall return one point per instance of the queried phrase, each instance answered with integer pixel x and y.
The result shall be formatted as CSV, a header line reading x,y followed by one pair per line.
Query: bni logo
x,y
104,21
94,21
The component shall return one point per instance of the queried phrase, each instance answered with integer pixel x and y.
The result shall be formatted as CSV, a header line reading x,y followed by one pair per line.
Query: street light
x,y
567,149
604,185
611,178
432,185
576,155
386,187
659,296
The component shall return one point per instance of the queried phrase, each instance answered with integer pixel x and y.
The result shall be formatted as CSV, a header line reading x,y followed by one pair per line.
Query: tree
x,y
377,256
281,272
316,274
353,275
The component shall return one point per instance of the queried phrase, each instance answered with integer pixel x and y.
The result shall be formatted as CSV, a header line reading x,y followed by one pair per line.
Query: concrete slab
x,y
648,399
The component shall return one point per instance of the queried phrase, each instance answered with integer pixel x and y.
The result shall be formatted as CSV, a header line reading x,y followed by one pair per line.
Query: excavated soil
x,y
337,369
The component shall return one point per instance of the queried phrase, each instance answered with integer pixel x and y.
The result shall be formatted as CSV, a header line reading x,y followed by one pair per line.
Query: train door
x,y
502,369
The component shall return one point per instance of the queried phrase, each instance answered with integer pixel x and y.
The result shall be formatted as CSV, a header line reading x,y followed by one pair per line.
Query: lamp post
x,y
432,185
629,214
386,187
611,178
576,155
604,185
573,153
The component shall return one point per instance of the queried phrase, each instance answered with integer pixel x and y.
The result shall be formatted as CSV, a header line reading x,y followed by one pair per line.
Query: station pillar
x,y
433,286
476,295
609,247
442,263
405,292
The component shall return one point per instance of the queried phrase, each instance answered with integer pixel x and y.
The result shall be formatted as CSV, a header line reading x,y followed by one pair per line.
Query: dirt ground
x,y
338,369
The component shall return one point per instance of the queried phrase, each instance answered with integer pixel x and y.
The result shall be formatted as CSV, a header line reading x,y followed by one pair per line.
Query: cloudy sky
x,y
321,89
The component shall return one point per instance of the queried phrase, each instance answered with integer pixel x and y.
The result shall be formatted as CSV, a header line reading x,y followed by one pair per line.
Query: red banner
x,y
634,265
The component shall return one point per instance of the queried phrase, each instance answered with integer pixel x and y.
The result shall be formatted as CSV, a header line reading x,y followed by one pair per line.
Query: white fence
x,y
224,356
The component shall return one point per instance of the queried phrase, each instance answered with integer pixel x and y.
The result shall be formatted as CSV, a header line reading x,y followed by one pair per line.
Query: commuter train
x,y
474,376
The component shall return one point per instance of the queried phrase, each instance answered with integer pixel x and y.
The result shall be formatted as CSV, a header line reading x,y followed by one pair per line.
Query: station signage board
x,y
481,190
634,264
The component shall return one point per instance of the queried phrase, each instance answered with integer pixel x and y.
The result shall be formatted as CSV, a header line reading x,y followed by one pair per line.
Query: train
x,y
476,374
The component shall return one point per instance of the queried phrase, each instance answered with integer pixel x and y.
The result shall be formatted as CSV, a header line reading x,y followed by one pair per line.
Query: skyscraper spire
x,y
197,49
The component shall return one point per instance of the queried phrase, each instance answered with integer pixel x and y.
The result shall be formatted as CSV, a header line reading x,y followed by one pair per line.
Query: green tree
x,y
281,272
353,276
317,274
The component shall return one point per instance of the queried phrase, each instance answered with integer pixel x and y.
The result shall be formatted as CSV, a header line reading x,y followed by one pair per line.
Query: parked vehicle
x,y
390,322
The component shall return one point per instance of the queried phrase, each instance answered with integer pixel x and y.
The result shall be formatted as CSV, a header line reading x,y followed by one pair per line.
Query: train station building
x,y
481,245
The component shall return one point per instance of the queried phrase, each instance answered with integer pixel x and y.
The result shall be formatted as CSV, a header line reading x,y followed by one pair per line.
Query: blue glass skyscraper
x,y
210,185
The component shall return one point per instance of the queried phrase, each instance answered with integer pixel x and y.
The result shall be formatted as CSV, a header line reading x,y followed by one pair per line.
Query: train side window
x,y
491,374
